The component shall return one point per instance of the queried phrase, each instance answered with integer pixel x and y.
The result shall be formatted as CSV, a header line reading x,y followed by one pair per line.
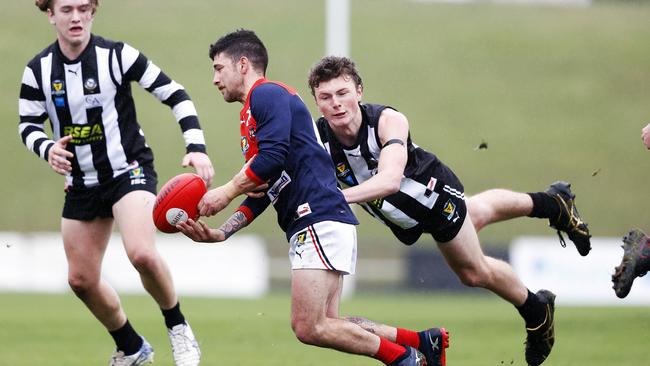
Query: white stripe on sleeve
x,y
129,55
150,75
165,91
194,136
184,109
29,78
31,107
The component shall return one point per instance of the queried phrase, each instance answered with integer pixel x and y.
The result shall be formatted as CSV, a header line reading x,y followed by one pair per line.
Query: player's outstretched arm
x,y
393,134
217,199
199,231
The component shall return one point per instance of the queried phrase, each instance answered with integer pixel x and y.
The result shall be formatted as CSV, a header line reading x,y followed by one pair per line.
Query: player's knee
x,y
81,284
144,260
306,333
472,277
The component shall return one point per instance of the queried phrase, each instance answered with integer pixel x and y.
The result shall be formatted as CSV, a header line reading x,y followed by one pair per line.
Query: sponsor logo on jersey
x,y
303,210
278,186
244,145
342,169
90,84
59,102
92,102
430,187
84,134
58,88
344,174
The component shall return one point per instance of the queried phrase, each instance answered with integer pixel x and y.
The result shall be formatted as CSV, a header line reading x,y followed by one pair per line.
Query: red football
x,y
177,201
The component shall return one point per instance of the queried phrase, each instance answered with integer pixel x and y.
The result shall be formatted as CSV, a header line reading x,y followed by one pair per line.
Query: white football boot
x,y
185,348
143,356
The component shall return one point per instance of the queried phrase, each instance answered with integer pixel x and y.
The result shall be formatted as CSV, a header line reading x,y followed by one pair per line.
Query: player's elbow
x,y
390,185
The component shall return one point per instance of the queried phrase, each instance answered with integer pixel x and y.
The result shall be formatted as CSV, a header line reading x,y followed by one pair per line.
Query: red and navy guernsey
x,y
277,132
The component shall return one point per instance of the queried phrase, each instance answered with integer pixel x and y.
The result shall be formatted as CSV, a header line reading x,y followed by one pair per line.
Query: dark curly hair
x,y
331,67
43,5
242,42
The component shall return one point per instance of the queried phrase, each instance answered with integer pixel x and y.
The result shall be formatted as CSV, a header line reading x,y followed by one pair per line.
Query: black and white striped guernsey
x,y
90,98
407,211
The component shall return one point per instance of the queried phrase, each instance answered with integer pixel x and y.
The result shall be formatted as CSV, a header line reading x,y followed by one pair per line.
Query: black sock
x,y
533,311
126,339
544,206
173,316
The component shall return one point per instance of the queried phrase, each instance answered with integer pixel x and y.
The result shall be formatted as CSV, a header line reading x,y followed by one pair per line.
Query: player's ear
x,y
50,16
243,65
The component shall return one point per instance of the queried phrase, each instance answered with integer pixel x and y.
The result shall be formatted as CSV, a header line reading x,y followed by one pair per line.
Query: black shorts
x,y
444,220
90,203
449,212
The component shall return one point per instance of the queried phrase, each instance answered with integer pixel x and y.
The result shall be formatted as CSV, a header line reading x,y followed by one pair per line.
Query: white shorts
x,y
328,245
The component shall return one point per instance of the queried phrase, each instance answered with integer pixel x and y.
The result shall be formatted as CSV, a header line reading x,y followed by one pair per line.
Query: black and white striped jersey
x,y
407,212
90,98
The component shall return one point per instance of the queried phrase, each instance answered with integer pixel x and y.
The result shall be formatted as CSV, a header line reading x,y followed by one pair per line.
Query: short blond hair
x,y
43,5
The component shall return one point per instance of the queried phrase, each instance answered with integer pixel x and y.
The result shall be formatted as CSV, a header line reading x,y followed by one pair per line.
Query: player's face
x,y
338,100
228,79
73,21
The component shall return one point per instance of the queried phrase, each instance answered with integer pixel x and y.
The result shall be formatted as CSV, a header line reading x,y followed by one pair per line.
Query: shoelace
x,y
180,342
118,359
562,241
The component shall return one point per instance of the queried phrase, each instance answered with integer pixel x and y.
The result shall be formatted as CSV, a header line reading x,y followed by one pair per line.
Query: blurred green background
x,y
556,92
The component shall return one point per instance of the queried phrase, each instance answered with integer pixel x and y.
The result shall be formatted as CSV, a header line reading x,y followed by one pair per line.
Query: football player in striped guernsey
x,y
412,192
82,84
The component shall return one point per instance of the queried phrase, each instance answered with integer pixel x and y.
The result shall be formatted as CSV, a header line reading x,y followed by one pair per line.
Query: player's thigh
x,y
133,218
312,292
464,250
85,243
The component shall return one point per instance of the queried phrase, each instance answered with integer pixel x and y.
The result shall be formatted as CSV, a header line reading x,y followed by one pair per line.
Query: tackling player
x,y
413,192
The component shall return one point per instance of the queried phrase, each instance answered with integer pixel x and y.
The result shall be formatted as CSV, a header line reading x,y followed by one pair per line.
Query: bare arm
x,y
645,136
199,231
217,199
393,126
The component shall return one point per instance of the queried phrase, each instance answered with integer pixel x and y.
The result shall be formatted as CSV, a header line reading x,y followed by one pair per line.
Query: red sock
x,y
407,338
388,351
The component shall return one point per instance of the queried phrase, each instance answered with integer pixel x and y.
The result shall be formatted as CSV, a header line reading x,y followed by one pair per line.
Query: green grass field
x,y
558,93
57,330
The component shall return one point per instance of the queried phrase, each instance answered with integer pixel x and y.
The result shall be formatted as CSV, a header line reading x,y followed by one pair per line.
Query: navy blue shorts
x,y
89,203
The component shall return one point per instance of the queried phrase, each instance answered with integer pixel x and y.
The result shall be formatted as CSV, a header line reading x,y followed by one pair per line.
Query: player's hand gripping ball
x,y
177,201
